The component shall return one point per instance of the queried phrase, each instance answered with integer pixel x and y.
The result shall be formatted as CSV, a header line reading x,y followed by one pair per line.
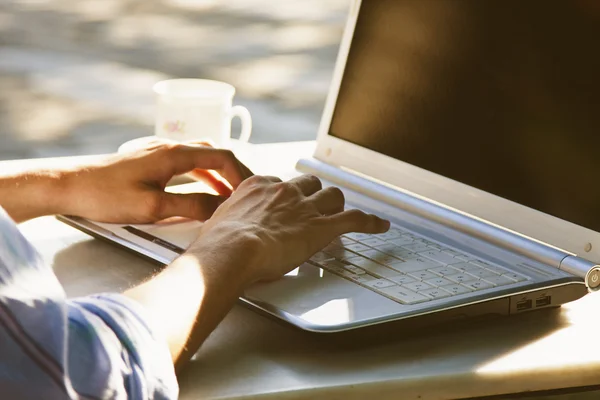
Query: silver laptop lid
x,y
491,108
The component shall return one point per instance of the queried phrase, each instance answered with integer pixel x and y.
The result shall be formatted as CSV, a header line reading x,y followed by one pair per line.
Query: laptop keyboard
x,y
409,268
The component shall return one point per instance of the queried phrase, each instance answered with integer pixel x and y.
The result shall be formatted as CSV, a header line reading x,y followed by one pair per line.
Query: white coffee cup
x,y
198,109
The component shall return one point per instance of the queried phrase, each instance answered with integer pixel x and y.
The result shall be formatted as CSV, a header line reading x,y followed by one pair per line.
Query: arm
x,y
125,188
32,194
263,231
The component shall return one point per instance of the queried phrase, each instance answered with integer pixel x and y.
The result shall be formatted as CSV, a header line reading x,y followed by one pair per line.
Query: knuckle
x,y
285,190
355,214
227,154
336,193
171,147
286,187
255,180
314,180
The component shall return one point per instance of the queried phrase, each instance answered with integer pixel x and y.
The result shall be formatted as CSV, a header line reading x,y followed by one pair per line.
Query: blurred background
x,y
76,75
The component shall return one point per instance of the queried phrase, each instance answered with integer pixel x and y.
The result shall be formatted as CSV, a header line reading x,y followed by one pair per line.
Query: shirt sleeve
x,y
94,347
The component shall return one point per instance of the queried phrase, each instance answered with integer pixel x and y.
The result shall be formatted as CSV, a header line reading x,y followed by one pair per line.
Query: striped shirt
x,y
51,347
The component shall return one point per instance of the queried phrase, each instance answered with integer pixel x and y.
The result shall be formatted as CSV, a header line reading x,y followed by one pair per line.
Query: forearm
x,y
188,300
33,194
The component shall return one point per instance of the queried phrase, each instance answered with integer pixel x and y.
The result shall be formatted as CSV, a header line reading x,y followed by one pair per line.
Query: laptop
x,y
473,126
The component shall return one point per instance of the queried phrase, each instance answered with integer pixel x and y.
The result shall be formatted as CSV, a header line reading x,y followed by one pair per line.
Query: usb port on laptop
x,y
543,301
524,305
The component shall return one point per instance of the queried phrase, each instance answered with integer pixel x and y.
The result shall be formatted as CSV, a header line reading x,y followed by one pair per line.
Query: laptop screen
x,y
501,95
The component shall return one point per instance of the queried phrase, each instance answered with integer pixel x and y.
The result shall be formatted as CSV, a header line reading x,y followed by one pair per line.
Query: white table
x,y
252,357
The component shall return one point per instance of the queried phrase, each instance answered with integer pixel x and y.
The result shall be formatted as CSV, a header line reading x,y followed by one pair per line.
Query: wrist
x,y
33,194
229,255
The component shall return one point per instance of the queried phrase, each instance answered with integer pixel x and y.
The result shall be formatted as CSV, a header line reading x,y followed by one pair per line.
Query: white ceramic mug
x,y
193,109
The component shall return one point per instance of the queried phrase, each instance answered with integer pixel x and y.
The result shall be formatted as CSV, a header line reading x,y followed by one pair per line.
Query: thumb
x,y
198,206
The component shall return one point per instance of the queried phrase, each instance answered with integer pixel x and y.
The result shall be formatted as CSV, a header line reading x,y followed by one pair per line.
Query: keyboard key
x,y
453,253
379,283
342,241
465,267
439,281
478,285
362,262
456,289
358,278
417,264
416,247
443,271
373,242
417,286
434,247
354,269
465,257
378,256
398,252
439,256
481,263
372,267
357,236
356,247
341,253
320,256
481,273
406,255
435,293
391,234
515,277
388,247
423,275
402,279
404,295
497,270
334,266
461,277
499,280
402,241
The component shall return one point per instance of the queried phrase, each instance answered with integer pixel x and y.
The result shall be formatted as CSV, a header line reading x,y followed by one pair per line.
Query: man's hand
x,y
275,226
127,188
130,187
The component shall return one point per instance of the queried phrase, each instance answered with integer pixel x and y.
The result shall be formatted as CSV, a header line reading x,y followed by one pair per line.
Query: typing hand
x,y
268,227
129,188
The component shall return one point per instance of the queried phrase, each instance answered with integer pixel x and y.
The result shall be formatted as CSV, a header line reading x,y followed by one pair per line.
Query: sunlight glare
x,y
331,313
572,345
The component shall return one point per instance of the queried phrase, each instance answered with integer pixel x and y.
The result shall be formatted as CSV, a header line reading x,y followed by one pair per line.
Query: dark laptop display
x,y
501,95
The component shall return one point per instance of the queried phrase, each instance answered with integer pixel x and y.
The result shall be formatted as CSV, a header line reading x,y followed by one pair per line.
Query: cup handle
x,y
244,115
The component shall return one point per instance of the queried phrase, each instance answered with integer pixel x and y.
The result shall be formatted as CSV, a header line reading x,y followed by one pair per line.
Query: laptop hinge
x,y
455,219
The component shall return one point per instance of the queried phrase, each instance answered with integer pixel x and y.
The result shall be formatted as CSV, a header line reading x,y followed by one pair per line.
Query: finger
x,y
198,206
246,172
329,200
203,142
356,221
208,143
214,180
158,142
188,157
308,184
